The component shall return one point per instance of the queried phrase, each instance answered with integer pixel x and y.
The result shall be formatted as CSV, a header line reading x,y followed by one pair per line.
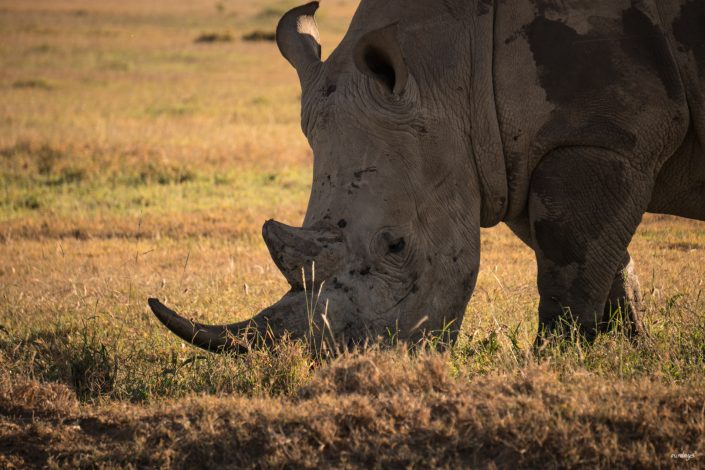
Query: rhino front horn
x,y
215,338
295,248
282,318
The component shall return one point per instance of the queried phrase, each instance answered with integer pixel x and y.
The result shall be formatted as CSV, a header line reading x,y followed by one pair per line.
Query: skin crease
x,y
566,120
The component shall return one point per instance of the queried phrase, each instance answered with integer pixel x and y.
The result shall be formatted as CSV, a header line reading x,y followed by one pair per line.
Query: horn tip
x,y
161,311
154,303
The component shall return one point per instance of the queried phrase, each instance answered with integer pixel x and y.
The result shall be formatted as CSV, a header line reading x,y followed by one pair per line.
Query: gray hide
x,y
566,119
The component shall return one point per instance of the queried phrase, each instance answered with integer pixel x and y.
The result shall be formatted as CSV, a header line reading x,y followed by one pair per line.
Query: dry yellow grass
x,y
375,410
136,162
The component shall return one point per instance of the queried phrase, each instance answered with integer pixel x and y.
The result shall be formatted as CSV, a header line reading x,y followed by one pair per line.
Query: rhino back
x,y
586,73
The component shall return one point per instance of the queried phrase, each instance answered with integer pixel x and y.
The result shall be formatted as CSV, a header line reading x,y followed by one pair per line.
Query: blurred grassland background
x,y
142,146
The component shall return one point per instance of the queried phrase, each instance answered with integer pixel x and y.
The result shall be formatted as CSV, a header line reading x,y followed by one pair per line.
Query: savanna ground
x,y
137,161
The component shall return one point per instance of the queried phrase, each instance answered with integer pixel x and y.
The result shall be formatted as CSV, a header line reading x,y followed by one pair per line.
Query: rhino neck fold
x,y
487,147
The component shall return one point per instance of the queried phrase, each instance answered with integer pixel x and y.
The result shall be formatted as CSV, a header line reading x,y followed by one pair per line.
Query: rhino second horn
x,y
295,248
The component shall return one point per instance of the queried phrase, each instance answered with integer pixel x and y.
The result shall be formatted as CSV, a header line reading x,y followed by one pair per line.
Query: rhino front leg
x,y
625,292
585,204
625,295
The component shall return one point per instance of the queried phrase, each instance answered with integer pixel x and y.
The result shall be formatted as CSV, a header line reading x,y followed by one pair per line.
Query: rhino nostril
x,y
397,245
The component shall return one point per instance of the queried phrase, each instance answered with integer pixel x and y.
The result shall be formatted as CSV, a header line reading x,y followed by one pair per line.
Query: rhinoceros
x,y
565,119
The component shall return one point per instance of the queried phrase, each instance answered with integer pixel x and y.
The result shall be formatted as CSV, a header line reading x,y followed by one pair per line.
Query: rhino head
x,y
392,227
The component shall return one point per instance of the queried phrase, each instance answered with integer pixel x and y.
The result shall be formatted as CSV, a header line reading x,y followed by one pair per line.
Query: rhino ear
x,y
378,55
298,39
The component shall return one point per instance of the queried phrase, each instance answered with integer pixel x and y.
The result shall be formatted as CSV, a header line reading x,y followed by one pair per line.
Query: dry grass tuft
x,y
386,409
20,396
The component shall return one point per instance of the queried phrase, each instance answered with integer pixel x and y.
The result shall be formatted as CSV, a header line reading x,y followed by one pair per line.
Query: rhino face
x,y
392,226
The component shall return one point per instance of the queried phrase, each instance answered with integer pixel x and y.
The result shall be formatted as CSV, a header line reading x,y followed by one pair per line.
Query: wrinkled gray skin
x,y
568,120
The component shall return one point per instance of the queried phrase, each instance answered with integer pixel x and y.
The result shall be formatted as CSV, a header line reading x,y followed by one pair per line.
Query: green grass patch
x,y
55,182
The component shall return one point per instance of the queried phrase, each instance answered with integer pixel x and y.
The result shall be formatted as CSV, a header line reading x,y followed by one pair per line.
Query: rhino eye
x,y
397,245
385,244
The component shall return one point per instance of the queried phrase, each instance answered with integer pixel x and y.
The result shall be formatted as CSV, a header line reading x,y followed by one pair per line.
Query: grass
x,y
136,163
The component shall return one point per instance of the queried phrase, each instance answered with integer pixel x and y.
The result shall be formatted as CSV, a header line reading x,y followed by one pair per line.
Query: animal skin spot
x,y
646,43
545,6
484,7
559,242
689,31
570,65
342,223
585,179
358,174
